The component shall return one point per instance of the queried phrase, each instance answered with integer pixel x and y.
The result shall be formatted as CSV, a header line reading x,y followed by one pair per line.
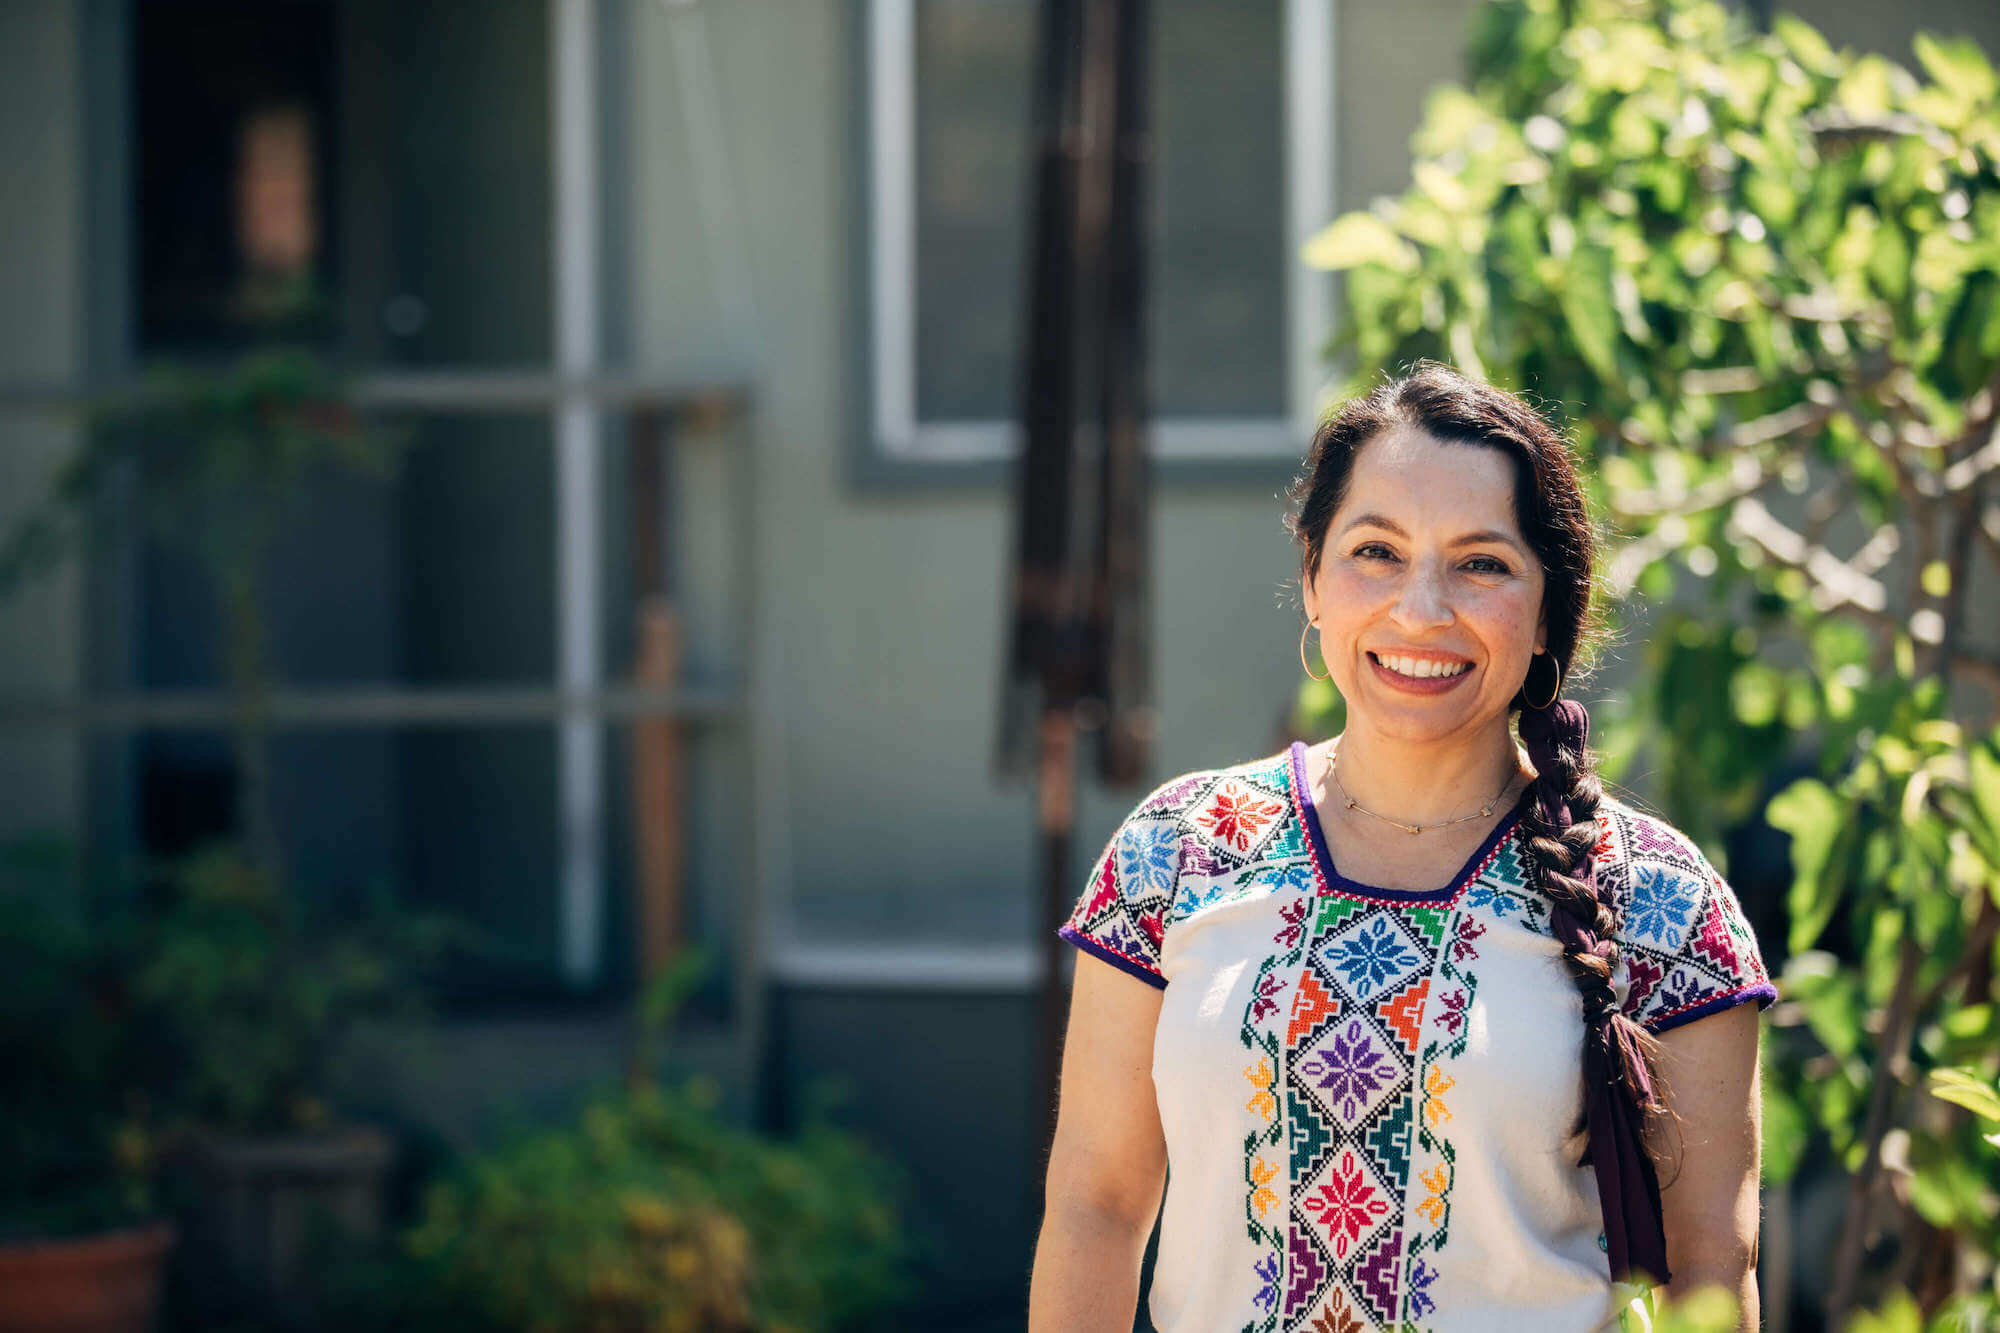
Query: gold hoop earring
x,y
1302,652
1552,693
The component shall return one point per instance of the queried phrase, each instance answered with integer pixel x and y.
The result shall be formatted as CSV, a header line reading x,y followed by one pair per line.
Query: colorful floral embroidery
x,y
1355,1006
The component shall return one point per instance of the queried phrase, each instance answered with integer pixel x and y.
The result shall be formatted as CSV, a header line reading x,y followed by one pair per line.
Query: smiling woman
x,y
1419,1003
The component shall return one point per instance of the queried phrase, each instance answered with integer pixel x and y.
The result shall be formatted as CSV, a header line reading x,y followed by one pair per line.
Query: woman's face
x,y
1428,598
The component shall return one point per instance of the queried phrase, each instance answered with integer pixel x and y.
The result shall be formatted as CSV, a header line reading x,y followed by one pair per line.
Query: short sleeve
x,y
1686,949
1120,914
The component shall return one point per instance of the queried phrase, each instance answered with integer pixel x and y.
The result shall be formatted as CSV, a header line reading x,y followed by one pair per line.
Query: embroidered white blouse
x,y
1367,1093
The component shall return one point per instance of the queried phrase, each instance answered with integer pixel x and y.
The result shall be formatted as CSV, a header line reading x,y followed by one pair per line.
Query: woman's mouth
x,y
1419,675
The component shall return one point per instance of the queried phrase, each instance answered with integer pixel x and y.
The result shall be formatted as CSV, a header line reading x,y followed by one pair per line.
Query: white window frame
x,y
1309,199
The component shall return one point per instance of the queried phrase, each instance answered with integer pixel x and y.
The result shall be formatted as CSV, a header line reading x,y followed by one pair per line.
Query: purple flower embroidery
x,y
1421,1277
1351,1070
1266,1269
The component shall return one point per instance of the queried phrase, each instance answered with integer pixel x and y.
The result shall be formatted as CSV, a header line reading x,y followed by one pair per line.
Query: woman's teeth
x,y
1422,669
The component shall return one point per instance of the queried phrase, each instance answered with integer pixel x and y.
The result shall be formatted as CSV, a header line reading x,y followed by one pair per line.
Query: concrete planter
x,y
108,1283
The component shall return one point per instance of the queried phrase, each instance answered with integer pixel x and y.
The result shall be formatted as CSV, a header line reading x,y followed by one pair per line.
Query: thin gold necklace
x,y
1333,771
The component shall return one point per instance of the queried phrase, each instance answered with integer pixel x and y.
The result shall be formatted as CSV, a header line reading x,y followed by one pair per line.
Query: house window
x,y
1242,117
466,685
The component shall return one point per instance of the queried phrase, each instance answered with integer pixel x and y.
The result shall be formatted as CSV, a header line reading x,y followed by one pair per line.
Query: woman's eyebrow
x,y
1482,537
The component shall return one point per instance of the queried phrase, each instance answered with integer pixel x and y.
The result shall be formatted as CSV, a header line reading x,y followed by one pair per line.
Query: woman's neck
x,y
1424,784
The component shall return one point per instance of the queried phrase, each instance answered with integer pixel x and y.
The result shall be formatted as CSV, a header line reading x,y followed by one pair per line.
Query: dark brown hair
x,y
1554,517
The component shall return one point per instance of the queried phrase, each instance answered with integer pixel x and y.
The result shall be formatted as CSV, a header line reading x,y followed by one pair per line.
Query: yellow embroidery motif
x,y
1432,1207
1261,1173
1262,1102
1436,1084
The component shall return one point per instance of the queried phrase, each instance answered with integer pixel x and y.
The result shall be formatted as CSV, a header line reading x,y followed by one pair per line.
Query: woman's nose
x,y
1423,602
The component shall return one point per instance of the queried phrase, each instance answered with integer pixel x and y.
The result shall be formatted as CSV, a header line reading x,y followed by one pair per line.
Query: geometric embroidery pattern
x,y
1685,947
1358,1006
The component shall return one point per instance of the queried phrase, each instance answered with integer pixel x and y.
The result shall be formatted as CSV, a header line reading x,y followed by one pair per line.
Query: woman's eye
x,y
1373,551
1486,564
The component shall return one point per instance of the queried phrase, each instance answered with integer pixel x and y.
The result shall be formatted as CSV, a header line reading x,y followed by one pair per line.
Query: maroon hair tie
x,y
1629,1188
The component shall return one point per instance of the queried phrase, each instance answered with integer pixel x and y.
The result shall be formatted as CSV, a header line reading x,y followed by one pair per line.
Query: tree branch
x,y
1840,588
1888,1061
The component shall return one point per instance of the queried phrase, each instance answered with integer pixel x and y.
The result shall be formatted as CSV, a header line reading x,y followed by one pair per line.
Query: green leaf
x,y
1806,45
1968,1020
1813,815
1957,64
1786,1130
1360,238
1983,780
1964,1086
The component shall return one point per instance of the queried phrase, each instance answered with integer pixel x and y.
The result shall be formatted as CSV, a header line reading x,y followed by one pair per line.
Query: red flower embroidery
x,y
1453,1012
1264,1006
1346,1204
1292,913
1236,816
1469,929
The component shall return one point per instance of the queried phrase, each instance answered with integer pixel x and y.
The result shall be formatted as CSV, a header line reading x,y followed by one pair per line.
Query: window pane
x,y
447,229
461,821
367,174
975,63
1217,320
441,573
1217,302
234,133
457,821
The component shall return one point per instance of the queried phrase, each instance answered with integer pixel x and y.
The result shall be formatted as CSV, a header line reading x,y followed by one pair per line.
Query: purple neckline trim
x,y
1309,816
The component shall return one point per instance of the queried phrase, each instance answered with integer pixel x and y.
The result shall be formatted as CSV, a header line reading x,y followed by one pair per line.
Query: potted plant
x,y
650,1210
82,1240
251,996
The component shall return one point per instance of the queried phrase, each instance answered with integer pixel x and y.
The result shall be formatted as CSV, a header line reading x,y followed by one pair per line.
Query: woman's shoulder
x,y
1628,835
1239,797
1687,949
1207,823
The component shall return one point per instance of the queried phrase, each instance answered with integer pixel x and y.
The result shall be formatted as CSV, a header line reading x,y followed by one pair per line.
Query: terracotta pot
x,y
108,1283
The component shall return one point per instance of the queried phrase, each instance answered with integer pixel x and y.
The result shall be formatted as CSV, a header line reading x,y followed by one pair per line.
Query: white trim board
x,y
1006,968
1309,35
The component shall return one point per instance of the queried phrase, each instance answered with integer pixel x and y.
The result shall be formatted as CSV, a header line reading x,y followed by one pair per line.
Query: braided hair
x,y
1620,1059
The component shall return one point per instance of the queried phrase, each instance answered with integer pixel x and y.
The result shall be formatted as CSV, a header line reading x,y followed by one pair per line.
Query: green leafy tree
x,y
1761,280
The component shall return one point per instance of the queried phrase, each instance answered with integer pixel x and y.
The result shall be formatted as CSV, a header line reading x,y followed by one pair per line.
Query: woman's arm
x,y
1108,1164
1709,1171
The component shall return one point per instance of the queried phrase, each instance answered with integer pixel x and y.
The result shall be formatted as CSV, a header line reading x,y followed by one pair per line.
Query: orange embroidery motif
x,y
1261,1175
1436,1084
1435,1180
1311,1002
1263,1102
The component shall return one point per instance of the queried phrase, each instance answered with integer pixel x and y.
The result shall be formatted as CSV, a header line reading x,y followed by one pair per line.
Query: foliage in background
x,y
649,1213
212,462
76,1144
252,996
1761,280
